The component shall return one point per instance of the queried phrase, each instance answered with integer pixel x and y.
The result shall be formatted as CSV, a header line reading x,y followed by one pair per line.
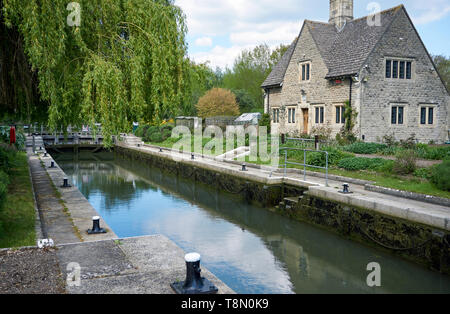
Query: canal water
x,y
249,248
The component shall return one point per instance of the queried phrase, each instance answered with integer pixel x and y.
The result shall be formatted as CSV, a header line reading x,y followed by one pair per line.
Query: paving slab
x,y
143,265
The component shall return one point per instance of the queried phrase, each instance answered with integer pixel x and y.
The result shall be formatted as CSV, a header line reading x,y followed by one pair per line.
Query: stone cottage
x,y
377,63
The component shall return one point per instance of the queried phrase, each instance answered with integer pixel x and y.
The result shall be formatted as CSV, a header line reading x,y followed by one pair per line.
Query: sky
x,y
218,30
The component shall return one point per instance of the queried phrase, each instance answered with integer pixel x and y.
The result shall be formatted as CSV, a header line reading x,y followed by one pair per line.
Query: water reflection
x,y
249,248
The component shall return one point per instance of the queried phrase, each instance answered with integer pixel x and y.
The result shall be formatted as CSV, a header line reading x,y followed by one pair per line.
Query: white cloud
x,y
204,42
219,56
432,11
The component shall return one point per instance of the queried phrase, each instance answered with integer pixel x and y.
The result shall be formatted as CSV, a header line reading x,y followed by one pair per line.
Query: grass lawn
x,y
410,184
17,218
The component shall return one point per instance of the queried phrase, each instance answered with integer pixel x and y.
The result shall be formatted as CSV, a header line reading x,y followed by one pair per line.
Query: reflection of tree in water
x,y
104,178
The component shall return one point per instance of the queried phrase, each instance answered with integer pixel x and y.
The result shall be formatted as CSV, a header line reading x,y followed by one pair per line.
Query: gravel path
x,y
30,271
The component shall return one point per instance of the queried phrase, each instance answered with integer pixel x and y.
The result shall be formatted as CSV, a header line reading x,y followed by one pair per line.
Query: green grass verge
x,y
387,180
18,215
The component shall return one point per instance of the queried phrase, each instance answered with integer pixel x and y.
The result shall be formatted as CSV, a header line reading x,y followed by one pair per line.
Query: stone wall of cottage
x,y
307,95
380,93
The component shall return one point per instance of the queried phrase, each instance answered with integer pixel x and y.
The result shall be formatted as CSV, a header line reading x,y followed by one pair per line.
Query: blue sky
x,y
220,29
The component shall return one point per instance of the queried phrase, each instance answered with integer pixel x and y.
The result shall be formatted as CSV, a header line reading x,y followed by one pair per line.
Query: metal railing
x,y
304,165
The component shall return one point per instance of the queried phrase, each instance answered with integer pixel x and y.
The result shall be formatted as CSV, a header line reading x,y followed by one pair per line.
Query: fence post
x,y
285,163
326,183
304,165
316,142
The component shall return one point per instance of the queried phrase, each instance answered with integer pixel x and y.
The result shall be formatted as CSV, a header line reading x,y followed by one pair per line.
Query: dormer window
x,y
305,71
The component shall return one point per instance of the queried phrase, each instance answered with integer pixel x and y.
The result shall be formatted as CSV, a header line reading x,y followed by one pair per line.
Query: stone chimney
x,y
341,11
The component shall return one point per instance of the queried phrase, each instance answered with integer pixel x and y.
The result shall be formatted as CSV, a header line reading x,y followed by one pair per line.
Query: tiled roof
x,y
276,77
344,51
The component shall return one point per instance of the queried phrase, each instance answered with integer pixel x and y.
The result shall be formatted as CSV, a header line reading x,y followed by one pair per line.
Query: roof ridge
x,y
398,7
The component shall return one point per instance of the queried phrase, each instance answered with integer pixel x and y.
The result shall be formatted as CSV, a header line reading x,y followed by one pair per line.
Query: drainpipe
x,y
351,85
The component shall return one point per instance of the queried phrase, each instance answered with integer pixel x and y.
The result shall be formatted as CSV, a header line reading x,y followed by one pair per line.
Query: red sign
x,y
12,135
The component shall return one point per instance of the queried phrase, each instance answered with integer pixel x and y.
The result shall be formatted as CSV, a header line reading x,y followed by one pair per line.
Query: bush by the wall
x,y
441,176
364,148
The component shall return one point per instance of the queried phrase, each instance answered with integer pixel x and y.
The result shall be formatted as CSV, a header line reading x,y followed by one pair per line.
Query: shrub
x,y
166,133
441,176
167,127
365,148
405,162
361,163
409,143
432,153
217,102
319,159
156,137
424,173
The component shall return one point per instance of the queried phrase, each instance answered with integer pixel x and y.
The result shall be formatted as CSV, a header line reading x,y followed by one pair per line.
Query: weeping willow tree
x,y
105,61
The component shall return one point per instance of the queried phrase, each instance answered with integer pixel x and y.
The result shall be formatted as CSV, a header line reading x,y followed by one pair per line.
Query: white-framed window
x,y
276,115
305,71
291,115
319,114
340,114
427,115
401,69
398,114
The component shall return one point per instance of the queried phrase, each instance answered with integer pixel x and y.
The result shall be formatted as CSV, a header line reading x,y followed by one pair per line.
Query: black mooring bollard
x,y
96,226
45,154
66,183
346,190
192,156
194,283
52,164
244,167
160,150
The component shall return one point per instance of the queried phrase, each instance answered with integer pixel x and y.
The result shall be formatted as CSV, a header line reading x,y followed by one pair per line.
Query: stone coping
x,y
81,211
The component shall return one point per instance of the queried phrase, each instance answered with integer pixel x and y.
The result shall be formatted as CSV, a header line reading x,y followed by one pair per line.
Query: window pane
x,y
338,115
321,114
423,115
402,69
289,115
307,71
394,115
408,70
343,114
400,115
278,115
303,72
394,69
317,114
430,115
388,68
293,115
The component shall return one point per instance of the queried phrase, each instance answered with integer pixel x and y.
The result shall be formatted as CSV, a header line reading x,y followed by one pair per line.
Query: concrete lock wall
x,y
413,241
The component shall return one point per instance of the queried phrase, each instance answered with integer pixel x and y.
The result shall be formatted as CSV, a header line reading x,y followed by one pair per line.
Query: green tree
x,y
249,71
443,66
124,62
